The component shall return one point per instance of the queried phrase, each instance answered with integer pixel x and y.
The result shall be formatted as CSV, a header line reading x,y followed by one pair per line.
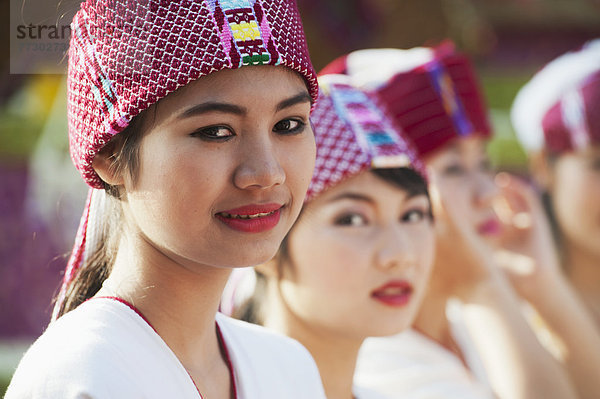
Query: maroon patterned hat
x,y
431,93
353,134
558,108
126,55
574,121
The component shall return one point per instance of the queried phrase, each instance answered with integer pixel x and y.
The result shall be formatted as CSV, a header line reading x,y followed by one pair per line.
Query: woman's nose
x,y
259,165
394,250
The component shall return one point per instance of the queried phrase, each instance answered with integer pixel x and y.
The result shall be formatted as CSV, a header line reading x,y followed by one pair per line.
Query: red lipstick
x,y
394,293
490,227
252,218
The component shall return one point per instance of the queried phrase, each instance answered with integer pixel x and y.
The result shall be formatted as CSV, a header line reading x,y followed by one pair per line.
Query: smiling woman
x,y
196,169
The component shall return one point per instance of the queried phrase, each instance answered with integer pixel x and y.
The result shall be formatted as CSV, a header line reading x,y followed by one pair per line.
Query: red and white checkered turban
x,y
353,134
432,94
126,55
558,108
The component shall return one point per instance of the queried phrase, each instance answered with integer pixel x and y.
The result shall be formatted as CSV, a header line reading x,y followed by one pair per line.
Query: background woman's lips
x,y
491,226
394,293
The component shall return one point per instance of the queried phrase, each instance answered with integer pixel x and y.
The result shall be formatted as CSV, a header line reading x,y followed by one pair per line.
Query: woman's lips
x,y
490,227
253,218
394,293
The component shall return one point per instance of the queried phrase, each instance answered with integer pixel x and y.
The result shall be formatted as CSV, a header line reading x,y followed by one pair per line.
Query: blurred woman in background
x,y
557,119
470,338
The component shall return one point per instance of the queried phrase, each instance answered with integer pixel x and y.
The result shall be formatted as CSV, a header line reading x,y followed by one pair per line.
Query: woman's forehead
x,y
235,86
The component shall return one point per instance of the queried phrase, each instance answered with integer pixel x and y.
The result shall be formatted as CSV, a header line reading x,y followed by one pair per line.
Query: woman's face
x,y
575,191
359,259
461,175
225,163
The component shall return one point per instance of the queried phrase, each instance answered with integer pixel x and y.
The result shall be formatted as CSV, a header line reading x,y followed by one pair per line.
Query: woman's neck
x,y
583,270
335,355
431,319
180,302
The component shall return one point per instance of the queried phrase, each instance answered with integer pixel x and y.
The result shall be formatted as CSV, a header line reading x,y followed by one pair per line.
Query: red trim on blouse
x,y
219,336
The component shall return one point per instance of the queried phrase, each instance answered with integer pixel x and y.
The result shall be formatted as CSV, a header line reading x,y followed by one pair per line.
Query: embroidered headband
x,y
126,55
558,108
353,134
432,94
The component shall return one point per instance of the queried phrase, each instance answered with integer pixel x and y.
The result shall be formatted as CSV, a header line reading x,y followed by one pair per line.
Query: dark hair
x,y
548,205
403,178
123,150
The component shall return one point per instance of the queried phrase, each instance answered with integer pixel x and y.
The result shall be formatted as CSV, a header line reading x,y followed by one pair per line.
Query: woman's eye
x,y
289,126
351,219
454,170
485,166
214,133
415,215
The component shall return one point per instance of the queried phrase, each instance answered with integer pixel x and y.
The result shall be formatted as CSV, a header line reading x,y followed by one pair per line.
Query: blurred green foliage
x,y
500,89
23,116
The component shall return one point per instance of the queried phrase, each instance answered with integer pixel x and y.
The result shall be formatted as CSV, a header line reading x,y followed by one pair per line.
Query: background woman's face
x,y
461,174
575,191
360,257
224,167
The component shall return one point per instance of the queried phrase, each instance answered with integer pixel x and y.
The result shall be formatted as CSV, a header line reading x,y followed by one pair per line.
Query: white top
x,y
411,366
366,393
104,349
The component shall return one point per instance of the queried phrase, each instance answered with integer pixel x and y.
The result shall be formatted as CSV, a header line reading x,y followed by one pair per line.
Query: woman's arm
x,y
516,364
539,280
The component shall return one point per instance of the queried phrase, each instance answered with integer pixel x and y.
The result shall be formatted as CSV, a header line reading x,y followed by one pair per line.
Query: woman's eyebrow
x,y
353,197
212,106
297,99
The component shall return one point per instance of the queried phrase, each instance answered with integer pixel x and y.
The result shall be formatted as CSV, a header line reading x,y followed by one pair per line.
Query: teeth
x,y
254,216
393,291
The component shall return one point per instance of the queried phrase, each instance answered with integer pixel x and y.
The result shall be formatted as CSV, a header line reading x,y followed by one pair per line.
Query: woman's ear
x,y
541,169
104,164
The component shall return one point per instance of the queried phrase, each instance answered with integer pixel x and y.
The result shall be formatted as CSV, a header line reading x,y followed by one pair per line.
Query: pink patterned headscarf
x,y
353,134
126,55
432,93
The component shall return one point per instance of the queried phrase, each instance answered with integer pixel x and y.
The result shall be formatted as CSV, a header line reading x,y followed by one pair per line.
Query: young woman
x,y
556,118
356,262
196,169
470,338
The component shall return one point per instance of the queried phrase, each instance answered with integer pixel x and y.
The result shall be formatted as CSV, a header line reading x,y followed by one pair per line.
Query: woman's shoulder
x,y
268,363
411,364
97,350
